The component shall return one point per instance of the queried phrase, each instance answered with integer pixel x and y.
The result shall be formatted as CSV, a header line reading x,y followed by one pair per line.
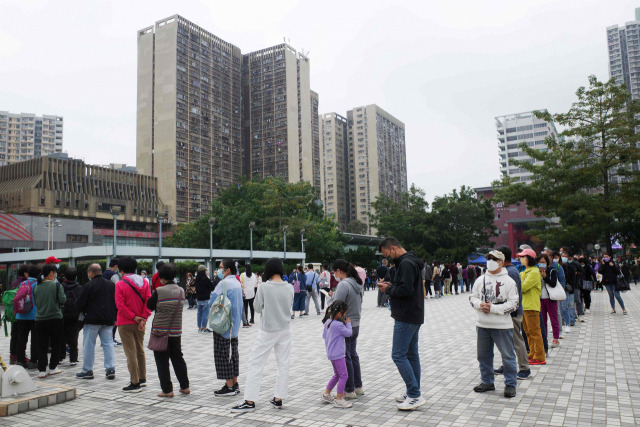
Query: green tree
x,y
588,177
356,227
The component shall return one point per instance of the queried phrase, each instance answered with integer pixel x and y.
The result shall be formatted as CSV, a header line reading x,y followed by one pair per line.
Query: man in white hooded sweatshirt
x,y
495,297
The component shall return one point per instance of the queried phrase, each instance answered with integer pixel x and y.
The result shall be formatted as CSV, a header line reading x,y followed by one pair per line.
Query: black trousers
x,y
49,330
173,353
24,328
13,343
322,297
586,297
427,287
382,299
248,304
70,333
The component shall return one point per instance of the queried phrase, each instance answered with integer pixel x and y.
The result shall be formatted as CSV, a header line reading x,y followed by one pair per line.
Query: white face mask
x,y
492,265
57,265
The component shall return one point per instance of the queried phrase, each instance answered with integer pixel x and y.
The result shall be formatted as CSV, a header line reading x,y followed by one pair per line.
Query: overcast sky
x,y
445,68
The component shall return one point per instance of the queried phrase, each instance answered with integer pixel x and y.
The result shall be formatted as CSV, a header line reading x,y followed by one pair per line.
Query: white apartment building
x,y
26,136
624,54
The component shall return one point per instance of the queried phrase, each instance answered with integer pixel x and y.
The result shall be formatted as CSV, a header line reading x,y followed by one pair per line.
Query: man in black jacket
x,y
406,296
98,303
71,314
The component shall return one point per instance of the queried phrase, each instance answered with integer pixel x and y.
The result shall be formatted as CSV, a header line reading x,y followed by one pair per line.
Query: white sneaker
x,y
54,371
567,329
360,391
342,403
327,398
351,395
411,403
401,398
586,311
42,374
580,319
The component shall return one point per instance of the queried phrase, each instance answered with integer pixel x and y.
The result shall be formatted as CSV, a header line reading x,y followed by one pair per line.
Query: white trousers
x,y
280,342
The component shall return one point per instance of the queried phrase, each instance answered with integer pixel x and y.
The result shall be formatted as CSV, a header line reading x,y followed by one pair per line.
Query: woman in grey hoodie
x,y
350,291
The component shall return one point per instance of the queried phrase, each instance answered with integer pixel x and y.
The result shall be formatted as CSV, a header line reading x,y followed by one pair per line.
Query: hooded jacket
x,y
351,293
97,301
500,290
531,288
132,293
406,291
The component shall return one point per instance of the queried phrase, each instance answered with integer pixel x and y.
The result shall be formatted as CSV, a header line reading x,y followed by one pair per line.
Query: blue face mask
x,y
564,260
220,275
542,265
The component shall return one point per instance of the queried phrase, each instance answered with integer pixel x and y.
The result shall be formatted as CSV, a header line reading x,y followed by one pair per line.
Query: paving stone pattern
x,y
591,379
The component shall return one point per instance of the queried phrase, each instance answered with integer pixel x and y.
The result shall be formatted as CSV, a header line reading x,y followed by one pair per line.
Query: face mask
x,y
605,259
564,260
542,265
220,274
492,265
57,265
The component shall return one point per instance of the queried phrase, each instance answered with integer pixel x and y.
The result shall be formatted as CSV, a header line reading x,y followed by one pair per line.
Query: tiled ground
x,y
592,379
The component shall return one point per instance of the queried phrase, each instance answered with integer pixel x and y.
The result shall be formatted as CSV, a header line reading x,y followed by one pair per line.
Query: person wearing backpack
x,y
132,293
225,345
70,317
9,316
311,280
298,280
49,299
26,318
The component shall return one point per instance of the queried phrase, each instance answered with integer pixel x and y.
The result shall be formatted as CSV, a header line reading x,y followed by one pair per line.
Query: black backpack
x,y
71,306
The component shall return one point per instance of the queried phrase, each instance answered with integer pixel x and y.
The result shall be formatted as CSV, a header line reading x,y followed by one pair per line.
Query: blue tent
x,y
478,260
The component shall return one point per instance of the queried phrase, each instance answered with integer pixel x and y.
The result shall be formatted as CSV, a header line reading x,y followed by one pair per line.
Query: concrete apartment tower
x,y
624,54
334,188
280,116
514,129
189,132
27,136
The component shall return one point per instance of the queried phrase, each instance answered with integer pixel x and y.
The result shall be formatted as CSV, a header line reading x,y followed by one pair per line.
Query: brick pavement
x,y
589,380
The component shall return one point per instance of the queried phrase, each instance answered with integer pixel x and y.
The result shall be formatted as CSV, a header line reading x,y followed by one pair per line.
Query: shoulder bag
x,y
159,340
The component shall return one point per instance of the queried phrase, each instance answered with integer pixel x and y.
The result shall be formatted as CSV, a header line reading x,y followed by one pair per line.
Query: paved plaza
x,y
591,379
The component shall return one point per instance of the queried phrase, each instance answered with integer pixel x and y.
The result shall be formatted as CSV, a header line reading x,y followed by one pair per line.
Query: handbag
x,y
621,284
556,293
159,340
296,285
587,285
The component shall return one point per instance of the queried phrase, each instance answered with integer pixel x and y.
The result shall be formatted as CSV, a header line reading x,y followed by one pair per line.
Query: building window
x,y
77,238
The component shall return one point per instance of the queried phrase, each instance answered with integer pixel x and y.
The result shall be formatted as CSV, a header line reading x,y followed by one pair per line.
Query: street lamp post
x,y
597,248
212,221
302,241
284,230
161,218
115,211
251,226
50,224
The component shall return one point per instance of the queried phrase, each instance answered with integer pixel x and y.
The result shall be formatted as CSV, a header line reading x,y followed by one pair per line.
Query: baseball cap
x,y
496,254
52,260
523,247
526,252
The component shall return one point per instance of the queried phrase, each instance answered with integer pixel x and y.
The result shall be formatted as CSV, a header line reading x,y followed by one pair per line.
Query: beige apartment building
x,y
334,187
27,136
208,114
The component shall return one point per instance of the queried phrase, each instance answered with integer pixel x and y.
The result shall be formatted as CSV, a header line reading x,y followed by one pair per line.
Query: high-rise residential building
x,y
624,54
207,115
334,187
377,159
27,136
280,126
514,129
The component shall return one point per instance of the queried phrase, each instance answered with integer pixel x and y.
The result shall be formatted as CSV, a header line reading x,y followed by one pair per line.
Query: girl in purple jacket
x,y
335,331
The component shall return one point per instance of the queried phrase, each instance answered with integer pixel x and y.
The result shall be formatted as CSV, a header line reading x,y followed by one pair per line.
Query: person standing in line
x,y
324,281
381,273
13,344
610,273
300,296
191,291
155,279
589,276
249,282
97,301
273,302
113,274
70,317
471,276
465,279
204,287
407,309
531,289
427,274
572,265
225,346
167,301
459,285
48,297
334,341
311,280
635,272
549,307
437,279
350,291
132,293
446,274
524,372
494,297
25,323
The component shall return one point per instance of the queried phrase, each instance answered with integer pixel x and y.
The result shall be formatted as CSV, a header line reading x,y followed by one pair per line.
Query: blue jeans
x,y
90,332
203,314
568,310
611,289
461,285
405,355
503,339
352,359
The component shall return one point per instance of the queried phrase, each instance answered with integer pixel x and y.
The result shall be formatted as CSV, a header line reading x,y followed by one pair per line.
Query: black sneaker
x,y
110,374
226,391
85,375
509,391
236,387
244,407
132,388
499,371
30,365
143,382
117,343
276,403
481,388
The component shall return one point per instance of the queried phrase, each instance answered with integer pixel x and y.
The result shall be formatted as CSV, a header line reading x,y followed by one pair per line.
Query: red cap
x,y
526,252
52,260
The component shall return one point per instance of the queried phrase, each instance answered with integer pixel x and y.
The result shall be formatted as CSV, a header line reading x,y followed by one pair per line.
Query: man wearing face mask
x,y
495,297
203,293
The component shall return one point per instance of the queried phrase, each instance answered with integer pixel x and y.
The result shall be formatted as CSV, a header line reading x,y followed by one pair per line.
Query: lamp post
x,y
597,248
251,226
115,211
50,224
212,221
161,218
302,241
284,230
